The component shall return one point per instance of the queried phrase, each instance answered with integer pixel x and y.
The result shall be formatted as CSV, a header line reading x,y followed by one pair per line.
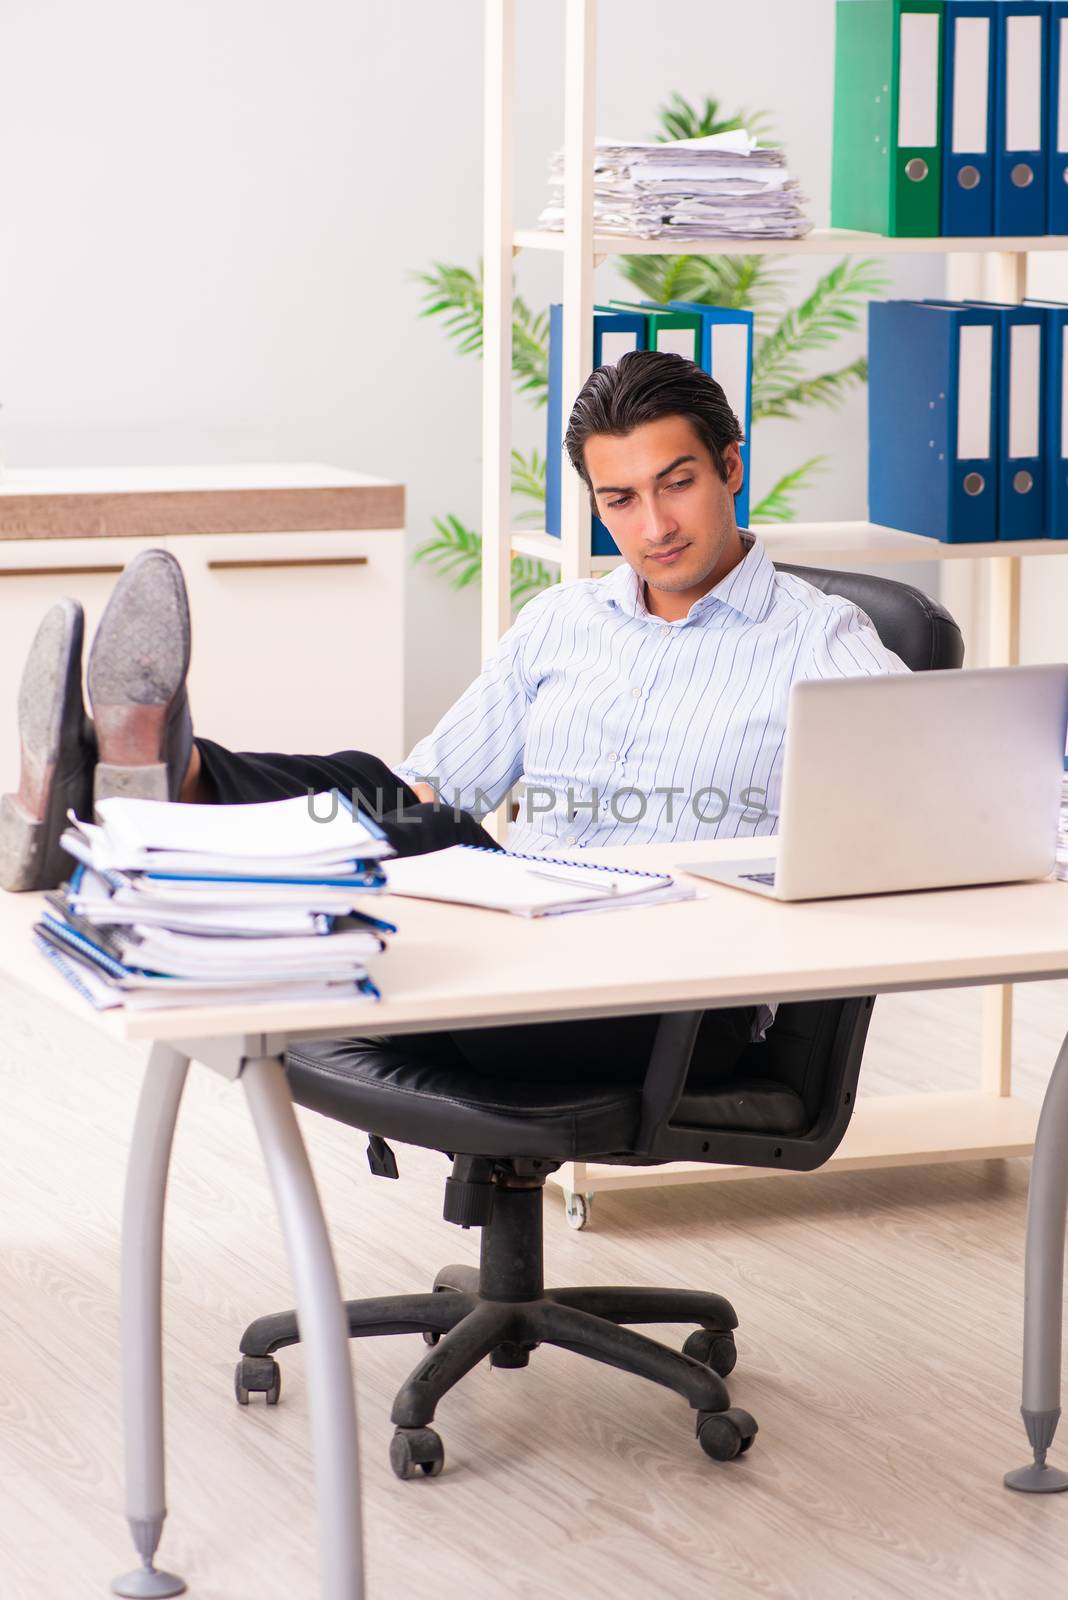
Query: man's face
x,y
661,498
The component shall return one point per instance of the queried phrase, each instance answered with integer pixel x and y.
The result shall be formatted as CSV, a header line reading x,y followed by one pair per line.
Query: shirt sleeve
x,y
475,753
847,646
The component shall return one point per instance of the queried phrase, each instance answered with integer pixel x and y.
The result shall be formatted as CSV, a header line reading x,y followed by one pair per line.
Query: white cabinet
x,y
298,637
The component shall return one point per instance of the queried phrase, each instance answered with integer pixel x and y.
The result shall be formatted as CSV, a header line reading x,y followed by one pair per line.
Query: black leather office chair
x,y
787,1105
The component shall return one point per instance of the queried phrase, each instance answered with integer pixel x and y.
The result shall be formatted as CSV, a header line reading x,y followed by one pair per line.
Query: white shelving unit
x,y
907,1129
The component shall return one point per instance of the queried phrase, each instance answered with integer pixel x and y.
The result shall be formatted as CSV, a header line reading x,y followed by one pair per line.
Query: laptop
x,y
927,780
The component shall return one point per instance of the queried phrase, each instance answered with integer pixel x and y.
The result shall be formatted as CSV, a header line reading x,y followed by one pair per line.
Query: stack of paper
x,y
181,905
1062,831
724,185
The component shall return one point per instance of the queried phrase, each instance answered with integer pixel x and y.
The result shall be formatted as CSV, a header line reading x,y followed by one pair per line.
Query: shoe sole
x,y
136,674
50,698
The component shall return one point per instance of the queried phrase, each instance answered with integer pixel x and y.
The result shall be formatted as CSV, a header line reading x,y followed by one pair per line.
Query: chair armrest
x,y
665,1076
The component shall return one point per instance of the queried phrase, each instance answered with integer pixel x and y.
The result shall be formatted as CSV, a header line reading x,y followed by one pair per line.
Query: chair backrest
x,y
792,1096
909,622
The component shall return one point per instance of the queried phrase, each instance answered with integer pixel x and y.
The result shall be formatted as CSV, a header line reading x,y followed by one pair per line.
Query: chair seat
x,y
420,1091
384,1087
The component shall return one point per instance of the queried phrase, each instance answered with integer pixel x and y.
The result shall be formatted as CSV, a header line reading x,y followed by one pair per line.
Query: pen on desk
x,y
582,883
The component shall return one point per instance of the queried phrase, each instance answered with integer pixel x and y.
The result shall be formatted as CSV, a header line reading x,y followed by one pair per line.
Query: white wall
x,y
210,210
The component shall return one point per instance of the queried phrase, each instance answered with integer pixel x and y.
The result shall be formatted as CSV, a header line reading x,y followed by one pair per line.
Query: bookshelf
x,y
906,1129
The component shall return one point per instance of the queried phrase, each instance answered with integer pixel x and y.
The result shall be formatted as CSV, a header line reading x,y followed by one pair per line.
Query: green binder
x,y
887,165
678,331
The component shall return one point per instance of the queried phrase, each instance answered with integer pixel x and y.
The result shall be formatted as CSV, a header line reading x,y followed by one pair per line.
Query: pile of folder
x,y
951,118
1062,830
717,338
175,905
723,185
967,422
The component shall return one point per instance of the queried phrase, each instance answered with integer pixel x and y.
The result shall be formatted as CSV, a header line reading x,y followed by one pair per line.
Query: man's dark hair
x,y
643,386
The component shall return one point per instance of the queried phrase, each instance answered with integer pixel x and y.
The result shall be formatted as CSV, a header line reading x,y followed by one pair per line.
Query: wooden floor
x,y
880,1336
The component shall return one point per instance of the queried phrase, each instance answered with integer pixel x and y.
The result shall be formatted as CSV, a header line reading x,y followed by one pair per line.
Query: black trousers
x,y
612,1048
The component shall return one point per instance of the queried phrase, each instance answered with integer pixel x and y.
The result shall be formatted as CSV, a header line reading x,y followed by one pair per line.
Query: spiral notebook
x,y
527,885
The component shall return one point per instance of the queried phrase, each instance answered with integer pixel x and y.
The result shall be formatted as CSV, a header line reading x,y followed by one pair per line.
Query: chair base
x,y
503,1310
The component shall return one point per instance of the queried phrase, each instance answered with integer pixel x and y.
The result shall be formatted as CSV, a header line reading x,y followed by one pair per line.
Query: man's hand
x,y
423,790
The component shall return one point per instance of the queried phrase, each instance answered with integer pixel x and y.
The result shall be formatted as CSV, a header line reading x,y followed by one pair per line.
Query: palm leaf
x,y
528,480
832,308
680,120
755,282
777,505
456,553
826,389
530,351
529,576
455,294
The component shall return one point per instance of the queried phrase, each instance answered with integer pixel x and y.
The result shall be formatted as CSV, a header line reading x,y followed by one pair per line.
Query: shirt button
x,y
570,839
636,693
613,755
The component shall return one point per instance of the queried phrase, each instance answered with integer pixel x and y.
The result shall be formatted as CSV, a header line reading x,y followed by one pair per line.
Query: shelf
x,y
545,548
919,1128
816,542
820,242
900,1130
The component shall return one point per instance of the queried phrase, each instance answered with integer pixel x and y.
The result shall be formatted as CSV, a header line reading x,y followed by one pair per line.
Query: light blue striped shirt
x,y
626,729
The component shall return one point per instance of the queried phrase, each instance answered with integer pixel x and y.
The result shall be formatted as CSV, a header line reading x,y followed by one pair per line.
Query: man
x,y
646,705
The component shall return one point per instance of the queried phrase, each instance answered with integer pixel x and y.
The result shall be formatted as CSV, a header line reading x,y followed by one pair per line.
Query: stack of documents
x,y
1062,830
184,905
528,885
724,185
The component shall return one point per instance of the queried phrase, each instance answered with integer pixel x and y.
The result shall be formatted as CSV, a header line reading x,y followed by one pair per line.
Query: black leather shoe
x,y
56,748
136,680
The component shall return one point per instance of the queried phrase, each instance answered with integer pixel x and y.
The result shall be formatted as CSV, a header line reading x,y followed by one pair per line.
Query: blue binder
x,y
1057,119
968,119
727,355
1020,409
932,462
613,333
1020,121
1055,437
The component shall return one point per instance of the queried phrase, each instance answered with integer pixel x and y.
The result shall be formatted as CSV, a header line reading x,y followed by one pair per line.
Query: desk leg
x,y
141,1319
1047,1204
324,1329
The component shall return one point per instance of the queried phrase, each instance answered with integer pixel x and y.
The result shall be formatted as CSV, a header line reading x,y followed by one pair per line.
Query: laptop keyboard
x,y
759,877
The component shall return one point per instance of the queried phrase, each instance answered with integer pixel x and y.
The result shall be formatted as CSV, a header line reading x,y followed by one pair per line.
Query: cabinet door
x,y
298,640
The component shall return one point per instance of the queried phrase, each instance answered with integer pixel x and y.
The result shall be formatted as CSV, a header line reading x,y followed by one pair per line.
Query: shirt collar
x,y
746,588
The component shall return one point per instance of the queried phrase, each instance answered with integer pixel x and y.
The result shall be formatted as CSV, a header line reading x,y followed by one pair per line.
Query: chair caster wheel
x,y
577,1208
725,1434
257,1375
511,1355
713,1348
415,1450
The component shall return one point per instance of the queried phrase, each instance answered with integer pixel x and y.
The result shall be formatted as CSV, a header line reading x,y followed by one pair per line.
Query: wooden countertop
x,y
162,502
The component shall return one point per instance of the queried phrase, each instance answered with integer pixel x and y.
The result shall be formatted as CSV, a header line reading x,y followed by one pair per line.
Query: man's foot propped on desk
x,y
136,681
56,753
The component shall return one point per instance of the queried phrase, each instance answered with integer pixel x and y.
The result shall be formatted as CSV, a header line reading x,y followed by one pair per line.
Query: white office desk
x,y
453,966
